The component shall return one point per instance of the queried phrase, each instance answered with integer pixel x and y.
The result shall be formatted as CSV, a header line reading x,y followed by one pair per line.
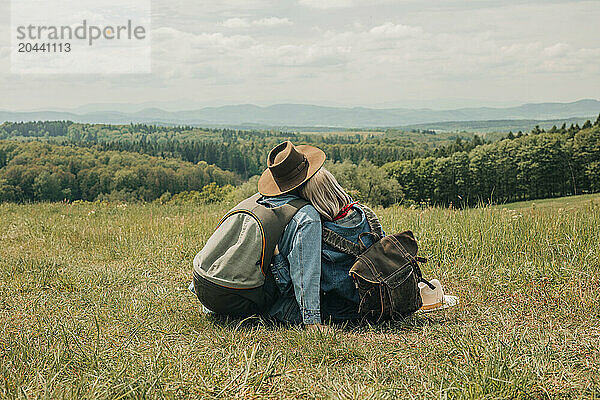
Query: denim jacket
x,y
297,267
339,296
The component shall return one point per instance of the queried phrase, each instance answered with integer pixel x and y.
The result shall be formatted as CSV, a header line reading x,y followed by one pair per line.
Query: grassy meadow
x,y
94,304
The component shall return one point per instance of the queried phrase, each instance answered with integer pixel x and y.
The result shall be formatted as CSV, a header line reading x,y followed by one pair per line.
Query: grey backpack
x,y
238,254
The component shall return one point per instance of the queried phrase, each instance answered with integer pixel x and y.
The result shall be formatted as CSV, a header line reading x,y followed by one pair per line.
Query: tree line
x,y
242,152
560,162
378,169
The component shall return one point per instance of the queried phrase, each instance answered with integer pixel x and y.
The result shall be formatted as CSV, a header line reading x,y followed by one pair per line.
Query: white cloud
x,y
395,31
165,38
557,50
272,21
327,4
303,55
237,23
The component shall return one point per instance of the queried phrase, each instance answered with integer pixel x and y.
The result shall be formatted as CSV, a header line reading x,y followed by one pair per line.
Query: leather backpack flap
x,y
386,261
389,260
365,269
408,242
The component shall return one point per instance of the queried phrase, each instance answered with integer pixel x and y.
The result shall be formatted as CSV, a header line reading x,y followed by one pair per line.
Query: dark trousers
x,y
237,303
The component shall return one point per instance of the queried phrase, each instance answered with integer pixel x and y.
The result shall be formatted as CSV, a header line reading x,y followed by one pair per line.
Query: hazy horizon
x,y
176,107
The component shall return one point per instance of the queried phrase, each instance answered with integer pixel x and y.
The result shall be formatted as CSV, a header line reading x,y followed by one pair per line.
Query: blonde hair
x,y
325,194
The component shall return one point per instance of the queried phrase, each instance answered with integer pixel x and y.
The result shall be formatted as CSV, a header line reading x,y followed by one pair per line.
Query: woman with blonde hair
x,y
347,218
329,288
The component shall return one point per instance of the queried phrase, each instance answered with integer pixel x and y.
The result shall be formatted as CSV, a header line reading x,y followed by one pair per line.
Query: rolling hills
x,y
305,115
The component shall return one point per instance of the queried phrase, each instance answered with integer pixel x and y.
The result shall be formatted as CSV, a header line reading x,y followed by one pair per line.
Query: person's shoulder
x,y
276,201
307,214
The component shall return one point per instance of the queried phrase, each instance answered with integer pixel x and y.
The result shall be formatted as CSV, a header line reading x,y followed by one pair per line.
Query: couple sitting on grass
x,y
301,251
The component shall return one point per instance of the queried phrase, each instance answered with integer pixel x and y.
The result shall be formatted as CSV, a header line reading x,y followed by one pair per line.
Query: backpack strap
x,y
346,246
284,214
373,221
273,221
340,243
290,209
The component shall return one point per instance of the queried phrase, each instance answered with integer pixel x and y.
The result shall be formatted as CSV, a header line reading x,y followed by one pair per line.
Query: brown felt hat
x,y
289,167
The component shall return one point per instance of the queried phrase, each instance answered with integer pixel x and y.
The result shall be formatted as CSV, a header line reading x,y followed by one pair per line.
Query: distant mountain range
x,y
302,115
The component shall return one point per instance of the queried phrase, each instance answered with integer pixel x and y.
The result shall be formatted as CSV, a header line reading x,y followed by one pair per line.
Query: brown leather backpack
x,y
386,273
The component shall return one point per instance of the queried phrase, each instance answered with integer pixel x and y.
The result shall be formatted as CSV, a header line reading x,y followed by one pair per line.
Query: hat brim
x,y
449,301
315,157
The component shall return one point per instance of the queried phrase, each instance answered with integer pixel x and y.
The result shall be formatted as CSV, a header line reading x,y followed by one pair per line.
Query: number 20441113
x,y
26,47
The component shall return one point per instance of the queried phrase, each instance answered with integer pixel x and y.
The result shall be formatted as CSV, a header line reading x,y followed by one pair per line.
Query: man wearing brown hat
x,y
296,265
279,229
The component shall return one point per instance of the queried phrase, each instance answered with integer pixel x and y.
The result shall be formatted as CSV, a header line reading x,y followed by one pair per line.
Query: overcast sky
x,y
378,53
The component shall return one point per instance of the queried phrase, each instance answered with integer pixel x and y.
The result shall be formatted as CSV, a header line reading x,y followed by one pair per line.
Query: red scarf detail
x,y
344,211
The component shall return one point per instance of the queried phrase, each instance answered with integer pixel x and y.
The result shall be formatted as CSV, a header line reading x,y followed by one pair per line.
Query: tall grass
x,y
93,304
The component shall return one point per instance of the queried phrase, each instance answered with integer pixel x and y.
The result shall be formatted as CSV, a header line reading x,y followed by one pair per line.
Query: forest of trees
x,y
34,171
62,160
530,167
243,152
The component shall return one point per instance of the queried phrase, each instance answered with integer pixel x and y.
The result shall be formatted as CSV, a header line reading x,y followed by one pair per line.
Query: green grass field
x,y
93,304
